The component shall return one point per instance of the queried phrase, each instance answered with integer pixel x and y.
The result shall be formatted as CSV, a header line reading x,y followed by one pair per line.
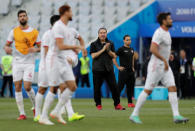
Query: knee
x,y
148,91
53,89
42,90
172,89
18,87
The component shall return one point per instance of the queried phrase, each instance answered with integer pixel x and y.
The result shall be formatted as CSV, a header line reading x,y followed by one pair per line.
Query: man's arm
x,y
8,48
97,54
62,46
117,66
112,54
154,50
133,62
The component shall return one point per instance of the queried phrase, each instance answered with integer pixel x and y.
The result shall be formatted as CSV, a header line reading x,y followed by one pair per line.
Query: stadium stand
x,y
89,15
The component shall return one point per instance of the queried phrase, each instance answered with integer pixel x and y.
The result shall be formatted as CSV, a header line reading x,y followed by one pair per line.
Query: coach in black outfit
x,y
126,69
102,52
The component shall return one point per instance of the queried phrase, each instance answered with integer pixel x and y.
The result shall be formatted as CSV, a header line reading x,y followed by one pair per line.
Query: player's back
x,y
162,38
45,43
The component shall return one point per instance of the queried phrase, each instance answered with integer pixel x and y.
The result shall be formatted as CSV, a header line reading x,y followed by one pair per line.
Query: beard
x,y
70,19
23,23
169,25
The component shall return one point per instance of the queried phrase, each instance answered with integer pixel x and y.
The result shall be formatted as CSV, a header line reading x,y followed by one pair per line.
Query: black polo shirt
x,y
104,61
125,57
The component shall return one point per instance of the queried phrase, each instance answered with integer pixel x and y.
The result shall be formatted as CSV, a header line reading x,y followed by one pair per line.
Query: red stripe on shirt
x,y
155,43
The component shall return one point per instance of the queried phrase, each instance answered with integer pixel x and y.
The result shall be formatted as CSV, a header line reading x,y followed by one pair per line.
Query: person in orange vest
x,y
24,38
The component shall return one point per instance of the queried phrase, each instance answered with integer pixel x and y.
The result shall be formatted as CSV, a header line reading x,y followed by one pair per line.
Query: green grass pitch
x,y
156,116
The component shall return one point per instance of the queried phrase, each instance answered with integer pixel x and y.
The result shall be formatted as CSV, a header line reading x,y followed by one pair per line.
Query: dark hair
x,y
102,28
162,16
125,36
21,11
63,9
53,19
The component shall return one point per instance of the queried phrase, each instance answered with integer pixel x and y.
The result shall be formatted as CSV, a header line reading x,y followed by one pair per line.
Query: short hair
x,y
63,9
53,19
102,28
125,36
21,11
162,16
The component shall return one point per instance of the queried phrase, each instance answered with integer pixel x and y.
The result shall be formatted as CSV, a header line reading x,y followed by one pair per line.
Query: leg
x,y
39,101
97,83
121,81
111,81
17,78
87,80
10,80
19,97
82,81
130,87
153,78
4,85
28,78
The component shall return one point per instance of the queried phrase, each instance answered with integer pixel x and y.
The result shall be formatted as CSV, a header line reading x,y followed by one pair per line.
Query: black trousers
x,y
127,78
184,86
109,77
7,80
85,80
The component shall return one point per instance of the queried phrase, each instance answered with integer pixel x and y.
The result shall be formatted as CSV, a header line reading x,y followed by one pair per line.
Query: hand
x,y
133,69
107,46
32,50
120,68
69,60
76,51
166,65
8,50
5,73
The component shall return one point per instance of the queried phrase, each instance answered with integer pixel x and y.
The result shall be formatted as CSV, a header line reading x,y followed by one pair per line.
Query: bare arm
x,y
97,54
154,50
133,63
8,48
117,66
62,46
112,54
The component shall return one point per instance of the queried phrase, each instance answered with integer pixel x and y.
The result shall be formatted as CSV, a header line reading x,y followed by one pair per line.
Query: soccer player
x,y
72,58
25,38
58,68
159,70
42,76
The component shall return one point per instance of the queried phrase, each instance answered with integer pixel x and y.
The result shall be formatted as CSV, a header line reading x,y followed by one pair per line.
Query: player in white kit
x,y
24,38
72,58
42,75
159,70
58,68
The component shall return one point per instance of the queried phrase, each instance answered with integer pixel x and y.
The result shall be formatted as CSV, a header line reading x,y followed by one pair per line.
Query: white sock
x,y
47,104
31,95
38,104
69,108
141,99
19,102
174,103
59,93
65,96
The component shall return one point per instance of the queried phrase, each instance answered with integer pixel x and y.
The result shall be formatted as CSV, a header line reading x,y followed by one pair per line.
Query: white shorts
x,y
23,72
156,73
58,72
42,75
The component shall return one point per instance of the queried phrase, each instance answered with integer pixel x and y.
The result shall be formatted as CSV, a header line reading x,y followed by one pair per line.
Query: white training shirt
x,y
72,41
17,56
161,38
60,30
45,43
